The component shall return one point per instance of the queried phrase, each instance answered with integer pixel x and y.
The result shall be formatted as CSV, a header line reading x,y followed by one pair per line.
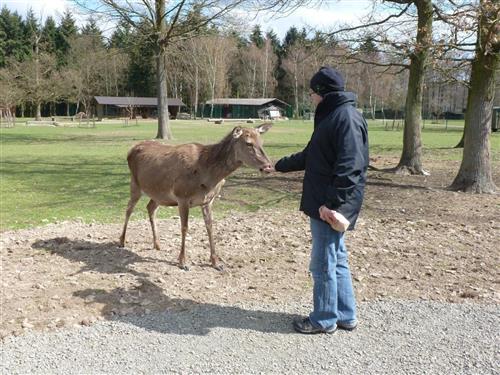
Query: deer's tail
x,y
131,157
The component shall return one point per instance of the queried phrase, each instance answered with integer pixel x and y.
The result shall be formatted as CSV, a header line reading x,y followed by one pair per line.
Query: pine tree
x,y
275,42
66,30
31,32
121,36
49,35
92,30
141,78
256,36
11,37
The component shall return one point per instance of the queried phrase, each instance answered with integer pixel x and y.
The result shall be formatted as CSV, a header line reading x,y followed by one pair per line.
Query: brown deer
x,y
190,175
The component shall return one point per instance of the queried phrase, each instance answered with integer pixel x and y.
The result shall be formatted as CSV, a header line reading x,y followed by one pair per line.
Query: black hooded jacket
x,y
335,160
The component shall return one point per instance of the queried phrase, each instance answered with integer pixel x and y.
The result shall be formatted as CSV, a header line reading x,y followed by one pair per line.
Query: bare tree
x,y
410,48
190,61
35,77
170,22
295,65
10,96
268,64
218,51
86,75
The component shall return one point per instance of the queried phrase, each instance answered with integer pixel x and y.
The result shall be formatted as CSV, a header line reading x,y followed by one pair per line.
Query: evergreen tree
x,y
256,36
368,45
241,41
292,36
66,30
275,42
121,36
11,37
142,73
92,30
49,35
31,32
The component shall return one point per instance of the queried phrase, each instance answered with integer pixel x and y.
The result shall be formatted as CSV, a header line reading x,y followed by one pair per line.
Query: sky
x,y
332,12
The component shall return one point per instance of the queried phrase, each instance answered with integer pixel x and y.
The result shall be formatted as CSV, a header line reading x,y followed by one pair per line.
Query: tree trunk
x,y
196,92
115,75
38,114
264,74
252,91
164,131
296,92
212,84
410,161
475,175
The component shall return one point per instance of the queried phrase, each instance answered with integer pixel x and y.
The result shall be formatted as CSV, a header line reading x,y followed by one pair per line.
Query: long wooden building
x,y
263,108
124,106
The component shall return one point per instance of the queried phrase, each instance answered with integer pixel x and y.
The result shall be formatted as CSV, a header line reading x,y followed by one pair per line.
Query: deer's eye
x,y
249,143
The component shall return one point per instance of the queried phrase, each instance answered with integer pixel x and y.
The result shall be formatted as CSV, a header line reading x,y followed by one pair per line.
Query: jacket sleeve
x,y
350,142
294,162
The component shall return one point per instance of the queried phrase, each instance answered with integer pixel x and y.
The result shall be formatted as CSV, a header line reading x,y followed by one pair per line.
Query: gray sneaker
x,y
304,325
347,326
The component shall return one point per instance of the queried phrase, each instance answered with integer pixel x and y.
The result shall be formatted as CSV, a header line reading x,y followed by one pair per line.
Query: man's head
x,y
327,80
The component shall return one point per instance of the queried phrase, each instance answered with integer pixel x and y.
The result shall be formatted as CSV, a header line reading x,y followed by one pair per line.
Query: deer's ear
x,y
264,127
237,132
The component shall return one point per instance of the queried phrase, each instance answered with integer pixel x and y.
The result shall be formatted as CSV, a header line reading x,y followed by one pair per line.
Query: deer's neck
x,y
220,158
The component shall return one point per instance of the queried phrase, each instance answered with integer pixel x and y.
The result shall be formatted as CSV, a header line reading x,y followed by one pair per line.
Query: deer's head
x,y
248,146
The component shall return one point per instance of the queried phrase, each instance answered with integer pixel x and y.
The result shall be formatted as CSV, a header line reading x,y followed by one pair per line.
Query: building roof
x,y
127,101
244,101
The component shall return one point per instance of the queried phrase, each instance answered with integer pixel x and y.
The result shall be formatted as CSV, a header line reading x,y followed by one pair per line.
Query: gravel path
x,y
395,337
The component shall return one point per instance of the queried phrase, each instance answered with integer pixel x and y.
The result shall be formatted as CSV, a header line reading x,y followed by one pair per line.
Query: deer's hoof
x,y
219,267
156,246
183,267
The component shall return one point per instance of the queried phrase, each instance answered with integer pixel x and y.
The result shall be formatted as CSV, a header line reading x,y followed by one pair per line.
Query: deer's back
x,y
166,172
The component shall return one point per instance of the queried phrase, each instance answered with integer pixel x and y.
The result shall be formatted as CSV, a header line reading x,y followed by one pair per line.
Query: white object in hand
x,y
341,224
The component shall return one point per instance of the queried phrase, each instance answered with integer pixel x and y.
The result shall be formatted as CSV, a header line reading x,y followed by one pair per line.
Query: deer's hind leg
x,y
152,209
135,195
184,214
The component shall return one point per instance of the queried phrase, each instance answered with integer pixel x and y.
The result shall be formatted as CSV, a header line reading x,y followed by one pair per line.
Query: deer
x,y
190,175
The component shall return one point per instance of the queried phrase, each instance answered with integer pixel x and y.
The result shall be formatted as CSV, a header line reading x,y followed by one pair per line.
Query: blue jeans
x,y
333,294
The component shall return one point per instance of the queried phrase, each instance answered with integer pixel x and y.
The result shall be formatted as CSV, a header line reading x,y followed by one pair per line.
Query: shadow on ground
x,y
185,316
146,304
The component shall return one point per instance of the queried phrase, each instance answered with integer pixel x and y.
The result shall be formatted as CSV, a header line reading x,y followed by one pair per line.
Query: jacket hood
x,y
331,101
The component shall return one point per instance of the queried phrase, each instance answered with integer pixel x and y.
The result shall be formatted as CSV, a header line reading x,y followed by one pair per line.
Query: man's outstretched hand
x,y
269,169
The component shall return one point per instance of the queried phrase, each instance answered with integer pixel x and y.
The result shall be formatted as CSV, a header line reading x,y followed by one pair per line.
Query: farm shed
x,y
264,108
124,106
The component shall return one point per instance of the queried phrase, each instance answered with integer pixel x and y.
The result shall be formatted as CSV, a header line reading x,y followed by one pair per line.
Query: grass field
x,y
49,174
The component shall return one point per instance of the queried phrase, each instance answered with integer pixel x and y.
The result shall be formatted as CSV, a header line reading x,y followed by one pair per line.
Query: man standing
x,y
335,162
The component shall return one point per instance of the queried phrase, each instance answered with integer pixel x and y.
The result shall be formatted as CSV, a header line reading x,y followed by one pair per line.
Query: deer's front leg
x,y
184,214
207,216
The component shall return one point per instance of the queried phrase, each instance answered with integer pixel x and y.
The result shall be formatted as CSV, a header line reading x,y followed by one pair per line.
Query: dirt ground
x,y
414,240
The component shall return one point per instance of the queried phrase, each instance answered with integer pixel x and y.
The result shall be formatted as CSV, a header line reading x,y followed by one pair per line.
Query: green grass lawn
x,y
51,174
